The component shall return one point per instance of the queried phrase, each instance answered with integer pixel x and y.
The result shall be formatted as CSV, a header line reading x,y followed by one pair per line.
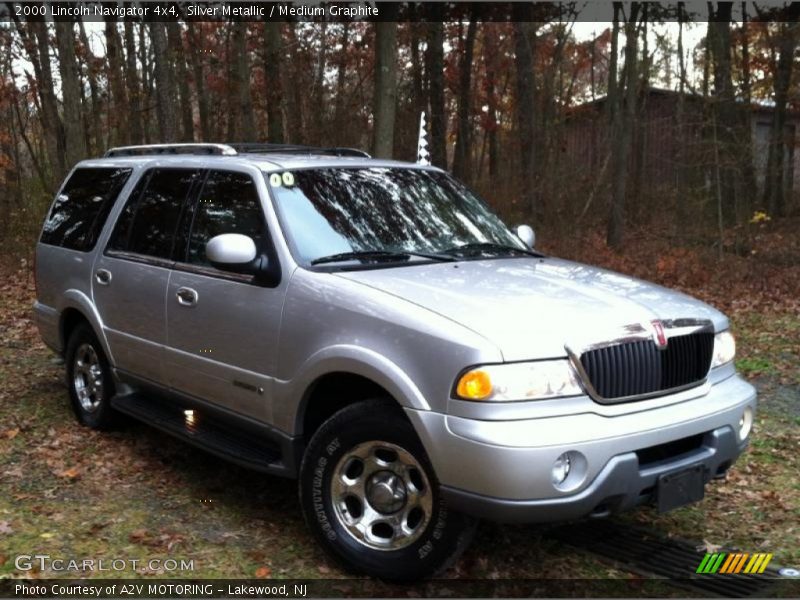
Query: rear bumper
x,y
621,485
501,470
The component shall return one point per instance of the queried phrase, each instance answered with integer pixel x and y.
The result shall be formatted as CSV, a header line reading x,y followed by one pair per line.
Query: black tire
x,y
97,412
441,536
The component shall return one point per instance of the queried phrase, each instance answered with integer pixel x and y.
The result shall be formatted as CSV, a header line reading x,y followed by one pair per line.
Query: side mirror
x,y
231,252
526,234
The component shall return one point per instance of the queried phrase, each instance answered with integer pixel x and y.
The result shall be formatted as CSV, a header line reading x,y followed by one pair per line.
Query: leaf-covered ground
x,y
137,494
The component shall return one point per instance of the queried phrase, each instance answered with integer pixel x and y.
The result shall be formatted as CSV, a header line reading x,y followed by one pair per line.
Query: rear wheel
x,y
371,497
89,379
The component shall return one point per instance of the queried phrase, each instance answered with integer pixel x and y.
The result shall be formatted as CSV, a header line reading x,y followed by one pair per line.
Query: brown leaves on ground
x,y
163,540
263,572
5,528
72,473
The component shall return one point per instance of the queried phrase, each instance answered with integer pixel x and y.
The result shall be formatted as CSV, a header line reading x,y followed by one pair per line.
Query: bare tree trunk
x,y
178,59
621,131
273,62
119,99
70,86
526,107
132,84
318,90
165,87
746,156
417,92
774,185
195,47
296,121
240,86
612,98
461,156
385,87
91,120
37,49
490,68
729,127
434,65
147,84
680,122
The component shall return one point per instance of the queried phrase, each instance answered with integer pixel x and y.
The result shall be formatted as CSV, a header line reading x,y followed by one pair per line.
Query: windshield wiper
x,y
489,247
378,255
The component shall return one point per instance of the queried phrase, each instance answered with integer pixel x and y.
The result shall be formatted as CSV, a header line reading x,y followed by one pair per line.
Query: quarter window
x,y
81,209
228,203
147,224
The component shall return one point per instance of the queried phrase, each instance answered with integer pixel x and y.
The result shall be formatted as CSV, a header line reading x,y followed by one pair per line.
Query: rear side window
x,y
81,209
228,203
148,222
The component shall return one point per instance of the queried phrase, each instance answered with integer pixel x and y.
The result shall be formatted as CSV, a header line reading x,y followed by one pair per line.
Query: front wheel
x,y
371,498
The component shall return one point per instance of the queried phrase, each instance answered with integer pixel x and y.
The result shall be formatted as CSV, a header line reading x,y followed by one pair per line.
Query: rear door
x,y
222,328
130,278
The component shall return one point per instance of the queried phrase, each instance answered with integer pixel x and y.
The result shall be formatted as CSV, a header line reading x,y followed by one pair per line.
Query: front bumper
x,y
496,469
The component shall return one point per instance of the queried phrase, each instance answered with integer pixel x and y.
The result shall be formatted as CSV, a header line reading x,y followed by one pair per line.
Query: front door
x,y
222,328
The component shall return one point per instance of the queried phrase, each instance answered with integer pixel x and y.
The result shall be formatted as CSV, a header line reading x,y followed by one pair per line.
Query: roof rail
x,y
222,149
297,149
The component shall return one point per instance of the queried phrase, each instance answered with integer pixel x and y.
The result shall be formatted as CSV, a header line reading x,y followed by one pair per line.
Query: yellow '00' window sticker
x,y
279,179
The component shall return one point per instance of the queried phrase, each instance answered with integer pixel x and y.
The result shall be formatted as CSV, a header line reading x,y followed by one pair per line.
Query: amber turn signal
x,y
474,385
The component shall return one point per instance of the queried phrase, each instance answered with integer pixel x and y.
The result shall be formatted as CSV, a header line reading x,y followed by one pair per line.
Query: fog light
x,y
745,423
561,469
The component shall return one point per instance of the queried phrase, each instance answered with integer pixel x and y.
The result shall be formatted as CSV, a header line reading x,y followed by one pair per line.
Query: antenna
x,y
423,156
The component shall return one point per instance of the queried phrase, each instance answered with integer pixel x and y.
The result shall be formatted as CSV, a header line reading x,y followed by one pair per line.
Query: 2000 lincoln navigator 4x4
x,y
373,329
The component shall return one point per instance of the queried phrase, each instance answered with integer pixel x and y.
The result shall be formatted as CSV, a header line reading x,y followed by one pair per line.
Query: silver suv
x,y
371,328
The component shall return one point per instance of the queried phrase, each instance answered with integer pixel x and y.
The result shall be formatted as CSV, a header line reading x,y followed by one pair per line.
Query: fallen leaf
x,y
3,559
10,434
710,548
263,572
47,536
137,535
5,528
71,473
324,569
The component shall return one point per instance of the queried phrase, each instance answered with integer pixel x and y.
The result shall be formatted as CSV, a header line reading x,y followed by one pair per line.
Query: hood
x,y
531,307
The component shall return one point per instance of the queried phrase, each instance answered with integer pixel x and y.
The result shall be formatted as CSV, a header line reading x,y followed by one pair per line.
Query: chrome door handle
x,y
102,276
186,296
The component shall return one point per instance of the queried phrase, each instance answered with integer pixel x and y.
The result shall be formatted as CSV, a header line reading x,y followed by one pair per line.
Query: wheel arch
x,y
77,308
337,377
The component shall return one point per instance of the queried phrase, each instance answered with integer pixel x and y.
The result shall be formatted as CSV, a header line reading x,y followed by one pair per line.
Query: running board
x,y
203,431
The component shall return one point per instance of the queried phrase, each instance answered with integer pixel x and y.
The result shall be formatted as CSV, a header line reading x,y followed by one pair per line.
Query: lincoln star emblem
x,y
659,335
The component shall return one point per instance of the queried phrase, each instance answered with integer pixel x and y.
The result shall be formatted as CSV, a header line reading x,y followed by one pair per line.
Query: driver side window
x,y
228,203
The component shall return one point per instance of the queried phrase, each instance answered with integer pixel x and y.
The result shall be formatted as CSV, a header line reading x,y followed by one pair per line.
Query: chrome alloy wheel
x,y
381,495
87,378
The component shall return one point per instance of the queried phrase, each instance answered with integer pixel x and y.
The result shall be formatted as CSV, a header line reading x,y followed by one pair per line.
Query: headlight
x,y
724,348
519,381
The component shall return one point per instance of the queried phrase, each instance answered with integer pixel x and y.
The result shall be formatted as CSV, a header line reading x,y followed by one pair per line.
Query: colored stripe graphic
x,y
758,563
735,562
728,562
711,562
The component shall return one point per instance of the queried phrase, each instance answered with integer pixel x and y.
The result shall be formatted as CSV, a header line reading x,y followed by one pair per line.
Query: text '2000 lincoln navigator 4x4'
x,y
373,329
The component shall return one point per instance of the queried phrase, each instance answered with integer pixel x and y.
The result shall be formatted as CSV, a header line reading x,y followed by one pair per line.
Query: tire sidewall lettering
x,y
318,501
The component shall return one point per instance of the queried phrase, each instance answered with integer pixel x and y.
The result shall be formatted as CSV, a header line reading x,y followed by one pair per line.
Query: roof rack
x,y
230,149
221,149
297,149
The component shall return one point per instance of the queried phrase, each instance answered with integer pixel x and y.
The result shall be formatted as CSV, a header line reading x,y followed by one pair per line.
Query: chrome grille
x,y
639,368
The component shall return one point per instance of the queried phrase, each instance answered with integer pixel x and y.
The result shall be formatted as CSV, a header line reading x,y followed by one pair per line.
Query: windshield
x,y
339,211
